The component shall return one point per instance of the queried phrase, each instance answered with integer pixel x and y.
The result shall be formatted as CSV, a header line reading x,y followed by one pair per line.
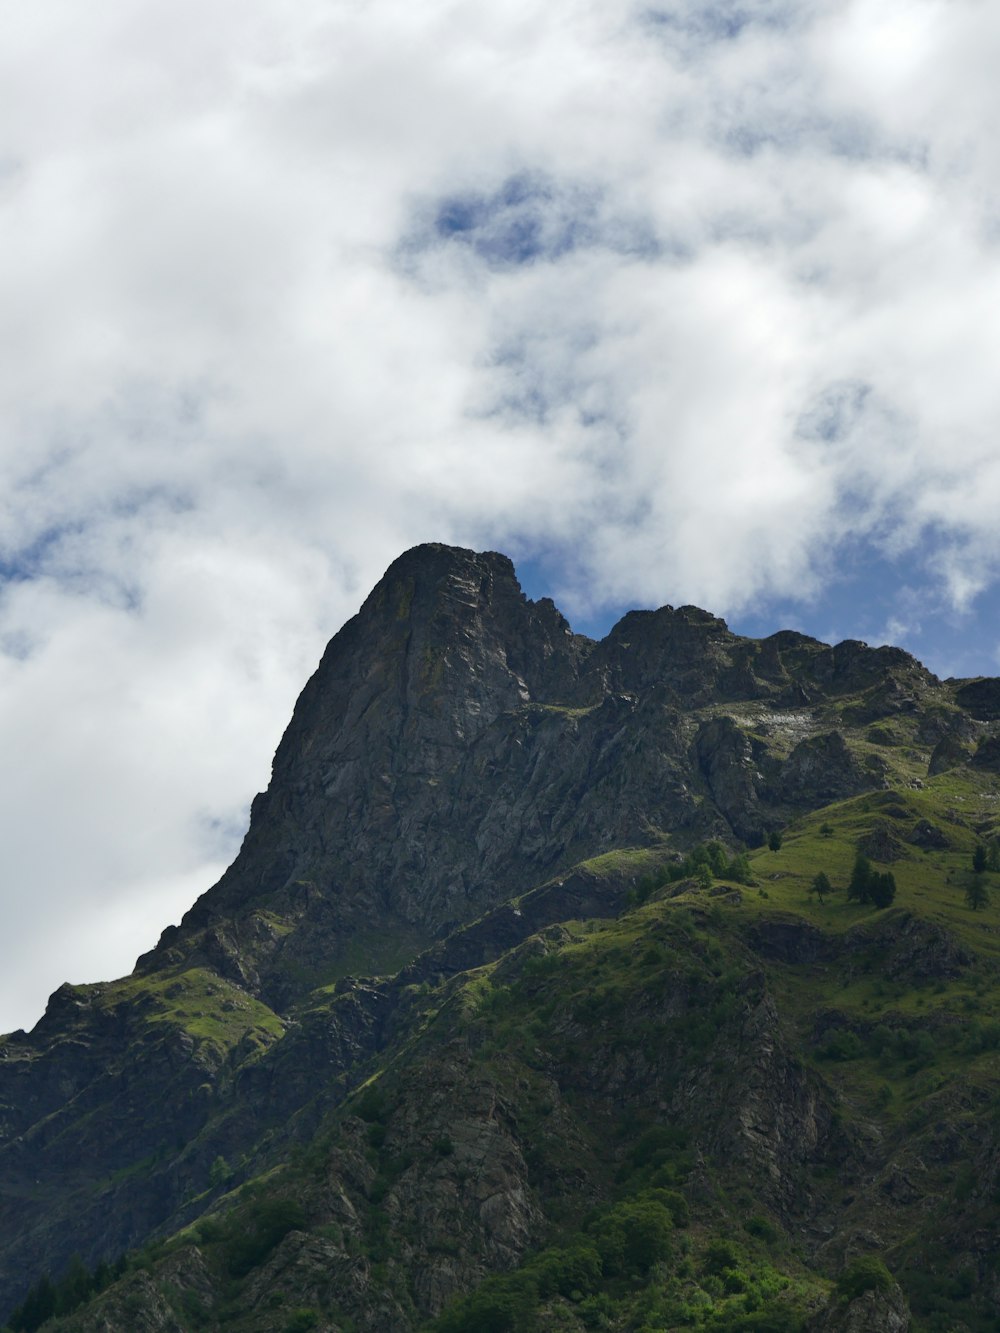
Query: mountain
x,y
519,1009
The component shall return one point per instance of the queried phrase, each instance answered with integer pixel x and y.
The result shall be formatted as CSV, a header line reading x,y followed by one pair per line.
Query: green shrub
x,y
371,1105
881,1040
376,1135
675,1203
866,1273
660,1144
633,1236
219,1173
194,1309
982,1037
720,1255
208,1231
821,886
740,870
302,1321
268,1223
504,1304
563,1272
761,1228
843,1044
774,1318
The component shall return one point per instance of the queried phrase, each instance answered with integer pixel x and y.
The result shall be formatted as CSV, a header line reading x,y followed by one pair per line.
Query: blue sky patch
x,y
38,556
529,218
834,412
871,598
719,20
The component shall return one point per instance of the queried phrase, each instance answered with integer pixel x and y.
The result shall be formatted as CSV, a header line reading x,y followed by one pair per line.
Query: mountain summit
x,y
537,946
458,744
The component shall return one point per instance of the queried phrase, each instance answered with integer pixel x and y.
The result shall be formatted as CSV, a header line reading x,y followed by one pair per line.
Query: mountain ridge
x,y
482,647
460,778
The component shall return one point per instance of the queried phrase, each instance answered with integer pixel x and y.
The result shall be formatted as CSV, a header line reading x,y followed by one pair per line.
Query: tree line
x,y
867,885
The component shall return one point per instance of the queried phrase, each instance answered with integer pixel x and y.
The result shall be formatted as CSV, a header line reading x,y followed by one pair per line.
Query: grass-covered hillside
x,y
740,1104
641,984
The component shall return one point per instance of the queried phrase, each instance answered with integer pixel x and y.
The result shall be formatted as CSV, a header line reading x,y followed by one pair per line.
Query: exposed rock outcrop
x,y
949,752
444,797
871,1312
821,769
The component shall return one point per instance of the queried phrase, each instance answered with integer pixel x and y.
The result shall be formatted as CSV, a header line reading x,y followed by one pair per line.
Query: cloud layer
x,y
686,302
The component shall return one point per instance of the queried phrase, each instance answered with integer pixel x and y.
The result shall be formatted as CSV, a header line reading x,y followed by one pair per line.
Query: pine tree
x,y
977,895
73,1287
38,1305
882,889
859,889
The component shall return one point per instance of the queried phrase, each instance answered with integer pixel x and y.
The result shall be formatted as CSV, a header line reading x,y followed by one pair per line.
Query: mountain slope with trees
x,y
642,984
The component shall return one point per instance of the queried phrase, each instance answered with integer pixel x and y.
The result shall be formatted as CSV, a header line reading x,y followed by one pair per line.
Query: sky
x,y
685,302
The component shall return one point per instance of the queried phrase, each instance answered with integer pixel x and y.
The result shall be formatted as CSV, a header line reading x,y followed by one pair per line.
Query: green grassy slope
x,y
701,1114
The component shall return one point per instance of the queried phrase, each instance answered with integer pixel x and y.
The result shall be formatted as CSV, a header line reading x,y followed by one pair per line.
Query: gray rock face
x,y
399,790
987,754
822,769
458,744
871,1312
726,759
948,753
980,697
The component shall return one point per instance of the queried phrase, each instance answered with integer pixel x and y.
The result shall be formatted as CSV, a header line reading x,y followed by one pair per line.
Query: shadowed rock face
x,y
457,746
376,807
988,754
948,753
980,697
871,1312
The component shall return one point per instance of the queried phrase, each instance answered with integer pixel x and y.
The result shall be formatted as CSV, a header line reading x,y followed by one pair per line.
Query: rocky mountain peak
x,y
475,918
360,824
458,742
445,629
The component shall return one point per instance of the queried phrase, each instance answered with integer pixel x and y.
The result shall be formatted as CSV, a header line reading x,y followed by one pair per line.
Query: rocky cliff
x,y
458,744
517,882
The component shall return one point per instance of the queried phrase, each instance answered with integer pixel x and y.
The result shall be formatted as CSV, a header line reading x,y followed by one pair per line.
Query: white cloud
x,y
743,308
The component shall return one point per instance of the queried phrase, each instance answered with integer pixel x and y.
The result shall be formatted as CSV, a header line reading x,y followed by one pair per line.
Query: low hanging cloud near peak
x,y
677,303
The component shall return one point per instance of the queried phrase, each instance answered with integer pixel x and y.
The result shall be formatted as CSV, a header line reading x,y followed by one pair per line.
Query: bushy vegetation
x,y
869,885
626,1269
894,1006
48,1298
821,886
267,1222
943,1300
706,862
866,1273
914,1046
